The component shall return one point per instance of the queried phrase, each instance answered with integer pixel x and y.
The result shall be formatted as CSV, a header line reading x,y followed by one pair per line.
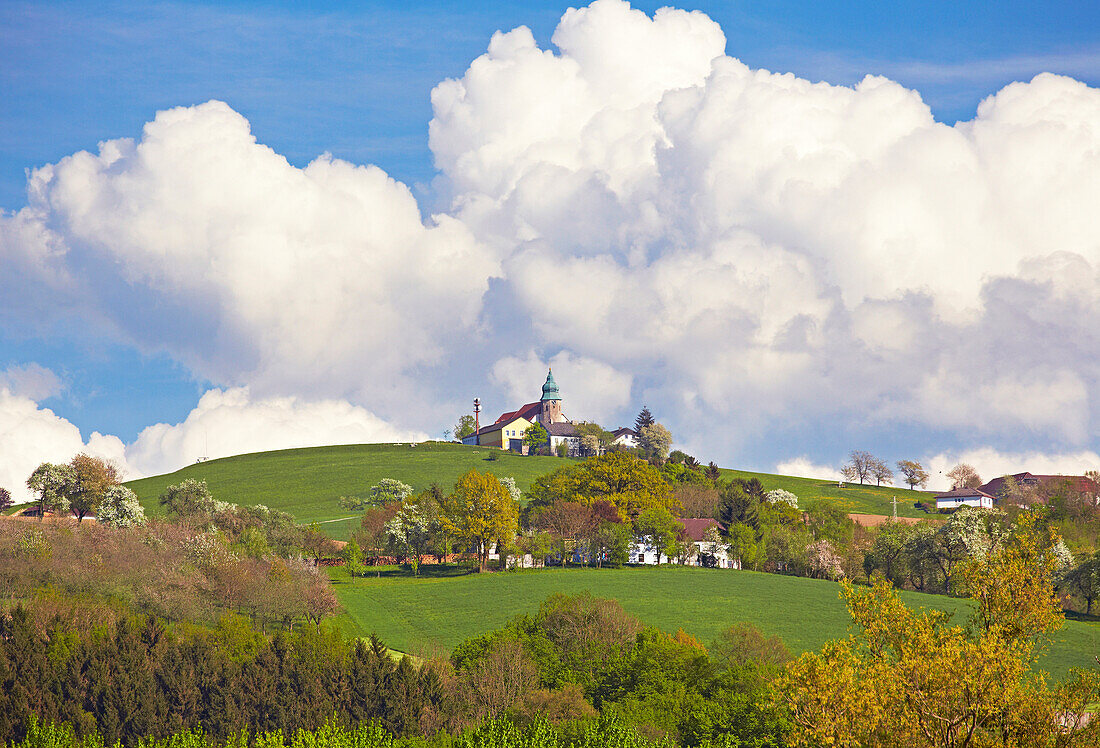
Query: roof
x,y
623,431
695,527
1077,482
964,493
550,389
501,423
528,411
561,429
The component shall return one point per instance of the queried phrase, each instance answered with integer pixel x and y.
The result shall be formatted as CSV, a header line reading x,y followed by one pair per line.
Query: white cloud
x,y
991,464
30,435
751,254
32,381
804,467
229,422
591,390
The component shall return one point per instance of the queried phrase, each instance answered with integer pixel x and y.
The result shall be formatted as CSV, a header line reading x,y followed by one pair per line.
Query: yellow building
x,y
505,434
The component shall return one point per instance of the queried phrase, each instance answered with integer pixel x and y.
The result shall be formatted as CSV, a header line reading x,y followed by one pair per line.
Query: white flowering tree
x,y
513,489
778,495
824,561
408,531
53,484
120,508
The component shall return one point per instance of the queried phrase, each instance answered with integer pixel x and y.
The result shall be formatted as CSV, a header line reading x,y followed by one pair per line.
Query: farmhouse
x,y
959,497
1079,483
507,431
704,551
624,437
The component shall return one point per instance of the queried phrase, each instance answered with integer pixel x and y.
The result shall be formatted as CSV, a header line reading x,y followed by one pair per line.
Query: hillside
x,y
430,615
307,482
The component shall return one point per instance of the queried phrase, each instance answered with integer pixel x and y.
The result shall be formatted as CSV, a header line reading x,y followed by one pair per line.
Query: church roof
x,y
561,429
528,411
550,389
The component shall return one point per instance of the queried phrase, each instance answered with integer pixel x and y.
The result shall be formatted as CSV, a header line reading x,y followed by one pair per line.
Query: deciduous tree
x,y
964,476
465,426
478,511
660,528
94,477
120,508
535,437
913,473
655,440
860,466
5,499
53,484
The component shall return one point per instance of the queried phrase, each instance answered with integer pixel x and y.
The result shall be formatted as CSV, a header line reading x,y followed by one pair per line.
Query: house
x,y
504,434
564,433
703,552
624,437
960,497
1028,480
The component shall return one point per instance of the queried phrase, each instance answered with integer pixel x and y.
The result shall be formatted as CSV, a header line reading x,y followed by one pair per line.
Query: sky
x,y
240,226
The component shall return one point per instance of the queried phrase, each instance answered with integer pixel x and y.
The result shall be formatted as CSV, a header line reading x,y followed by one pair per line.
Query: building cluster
x,y
507,432
990,494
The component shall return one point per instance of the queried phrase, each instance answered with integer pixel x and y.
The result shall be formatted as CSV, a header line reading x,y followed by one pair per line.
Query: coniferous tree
x,y
645,418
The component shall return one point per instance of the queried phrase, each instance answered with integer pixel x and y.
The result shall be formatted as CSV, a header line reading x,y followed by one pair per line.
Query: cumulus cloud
x,y
30,435
198,240
229,422
807,468
763,259
590,389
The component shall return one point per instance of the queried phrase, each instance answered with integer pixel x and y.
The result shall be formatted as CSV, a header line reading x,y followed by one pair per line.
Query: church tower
x,y
551,401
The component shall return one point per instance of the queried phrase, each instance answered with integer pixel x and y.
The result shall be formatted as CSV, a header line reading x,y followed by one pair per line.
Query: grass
x,y
307,482
853,497
446,606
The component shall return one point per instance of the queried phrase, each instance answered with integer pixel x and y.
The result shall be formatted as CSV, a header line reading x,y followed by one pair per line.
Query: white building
x,y
625,437
960,497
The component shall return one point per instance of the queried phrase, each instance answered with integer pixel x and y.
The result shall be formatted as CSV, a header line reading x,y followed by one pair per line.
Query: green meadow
x,y
308,482
432,614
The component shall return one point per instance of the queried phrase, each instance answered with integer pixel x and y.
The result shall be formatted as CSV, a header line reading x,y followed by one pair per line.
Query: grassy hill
x,y
307,482
853,498
427,615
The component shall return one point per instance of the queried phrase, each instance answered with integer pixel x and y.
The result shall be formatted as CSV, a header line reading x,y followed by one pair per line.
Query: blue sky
x,y
353,80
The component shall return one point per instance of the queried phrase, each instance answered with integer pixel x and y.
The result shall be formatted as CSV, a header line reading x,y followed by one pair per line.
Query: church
x,y
507,431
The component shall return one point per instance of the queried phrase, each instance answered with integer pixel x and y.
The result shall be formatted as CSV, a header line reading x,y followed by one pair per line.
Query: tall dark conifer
x,y
645,418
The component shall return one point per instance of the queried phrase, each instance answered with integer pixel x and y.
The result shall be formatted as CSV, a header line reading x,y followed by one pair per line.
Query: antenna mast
x,y
477,419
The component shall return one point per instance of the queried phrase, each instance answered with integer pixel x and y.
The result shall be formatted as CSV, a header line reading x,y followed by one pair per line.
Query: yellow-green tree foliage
x,y
631,485
915,679
478,511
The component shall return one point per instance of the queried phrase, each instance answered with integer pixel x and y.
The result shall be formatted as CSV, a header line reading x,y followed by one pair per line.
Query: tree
x,y
1084,580
478,511
645,418
94,476
778,494
712,472
5,499
742,544
913,678
860,466
353,558
535,436
964,476
737,506
466,425
188,497
660,527
913,473
881,472
655,440
594,438
53,484
627,483
120,508
409,532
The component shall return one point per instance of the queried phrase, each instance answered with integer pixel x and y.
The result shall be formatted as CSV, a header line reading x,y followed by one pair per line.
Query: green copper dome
x,y
550,389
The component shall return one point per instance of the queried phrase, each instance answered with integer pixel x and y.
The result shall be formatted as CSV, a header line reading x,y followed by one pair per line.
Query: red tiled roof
x,y
528,411
694,527
1077,482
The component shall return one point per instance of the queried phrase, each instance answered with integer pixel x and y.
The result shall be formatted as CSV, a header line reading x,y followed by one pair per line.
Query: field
x,y
433,614
308,482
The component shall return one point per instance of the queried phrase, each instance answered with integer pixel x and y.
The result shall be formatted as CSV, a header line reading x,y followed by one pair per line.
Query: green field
x,y
307,482
429,615
853,498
